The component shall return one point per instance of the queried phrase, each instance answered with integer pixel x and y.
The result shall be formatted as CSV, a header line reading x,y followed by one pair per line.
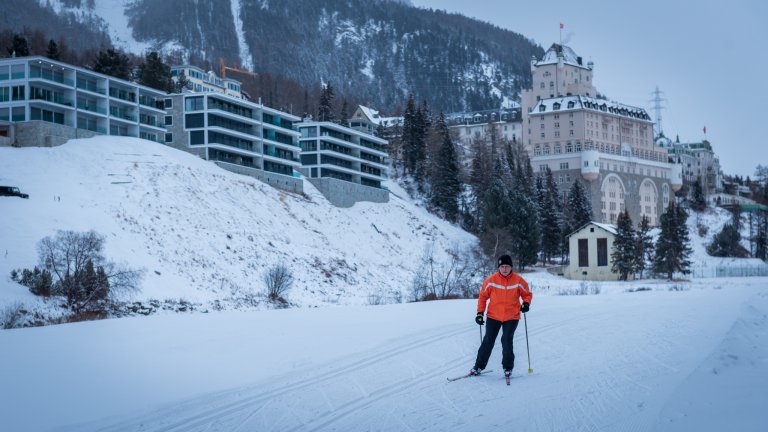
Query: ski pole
x,y
481,334
525,321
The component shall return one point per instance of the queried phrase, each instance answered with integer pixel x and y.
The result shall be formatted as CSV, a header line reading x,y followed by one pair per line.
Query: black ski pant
x,y
491,331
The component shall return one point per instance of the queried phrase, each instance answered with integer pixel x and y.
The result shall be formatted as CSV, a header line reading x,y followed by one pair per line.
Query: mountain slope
x,y
375,52
206,235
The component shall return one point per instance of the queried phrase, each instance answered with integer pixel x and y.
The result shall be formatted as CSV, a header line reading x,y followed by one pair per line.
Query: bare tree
x,y
447,278
278,281
80,271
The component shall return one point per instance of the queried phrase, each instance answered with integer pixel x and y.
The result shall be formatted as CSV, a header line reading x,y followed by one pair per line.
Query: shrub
x,y
278,281
11,315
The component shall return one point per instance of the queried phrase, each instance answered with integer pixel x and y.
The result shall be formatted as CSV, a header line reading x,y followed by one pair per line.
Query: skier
x,y
504,289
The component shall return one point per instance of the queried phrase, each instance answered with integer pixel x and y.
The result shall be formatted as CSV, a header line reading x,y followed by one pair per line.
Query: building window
x,y
168,120
168,103
194,121
168,138
193,103
602,252
196,137
583,253
542,168
563,165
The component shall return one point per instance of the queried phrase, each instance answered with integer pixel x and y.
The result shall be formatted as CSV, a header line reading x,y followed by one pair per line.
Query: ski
x,y
469,375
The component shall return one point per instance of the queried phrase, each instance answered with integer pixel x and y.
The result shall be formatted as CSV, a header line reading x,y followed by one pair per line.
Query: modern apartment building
x,y
201,81
241,136
606,145
50,102
345,164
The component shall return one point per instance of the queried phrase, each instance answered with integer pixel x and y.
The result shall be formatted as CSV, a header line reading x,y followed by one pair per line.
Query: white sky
x,y
705,56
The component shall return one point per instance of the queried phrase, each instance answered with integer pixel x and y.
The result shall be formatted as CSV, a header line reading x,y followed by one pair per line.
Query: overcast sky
x,y
709,58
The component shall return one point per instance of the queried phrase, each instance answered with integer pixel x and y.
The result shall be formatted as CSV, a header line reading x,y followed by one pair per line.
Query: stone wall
x,y
38,133
345,194
279,181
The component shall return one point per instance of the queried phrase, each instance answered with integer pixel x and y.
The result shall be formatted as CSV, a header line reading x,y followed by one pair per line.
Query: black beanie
x,y
505,259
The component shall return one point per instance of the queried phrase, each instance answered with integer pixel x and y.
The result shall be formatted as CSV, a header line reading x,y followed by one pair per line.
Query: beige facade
x,y
590,253
606,145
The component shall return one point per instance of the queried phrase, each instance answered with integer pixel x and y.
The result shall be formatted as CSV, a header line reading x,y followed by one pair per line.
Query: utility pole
x,y
657,107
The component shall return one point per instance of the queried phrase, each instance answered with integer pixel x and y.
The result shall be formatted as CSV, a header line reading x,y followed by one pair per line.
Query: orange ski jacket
x,y
504,294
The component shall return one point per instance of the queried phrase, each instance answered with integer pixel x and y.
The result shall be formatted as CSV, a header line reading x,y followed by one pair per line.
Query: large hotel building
x,y
608,146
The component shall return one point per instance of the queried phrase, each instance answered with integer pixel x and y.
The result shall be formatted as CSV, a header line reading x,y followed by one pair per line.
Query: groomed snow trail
x,y
605,362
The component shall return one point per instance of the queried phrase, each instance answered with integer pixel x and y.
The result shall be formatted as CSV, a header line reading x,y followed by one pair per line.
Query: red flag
x,y
562,26
705,130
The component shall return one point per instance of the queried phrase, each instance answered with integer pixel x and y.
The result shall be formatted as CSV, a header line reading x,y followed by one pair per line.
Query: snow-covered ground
x,y
646,355
678,357
204,234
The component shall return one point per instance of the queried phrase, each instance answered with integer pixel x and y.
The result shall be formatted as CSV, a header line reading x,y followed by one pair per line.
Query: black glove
x,y
479,319
525,307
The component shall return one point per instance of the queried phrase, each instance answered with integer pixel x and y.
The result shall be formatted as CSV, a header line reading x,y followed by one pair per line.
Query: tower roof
x,y
556,51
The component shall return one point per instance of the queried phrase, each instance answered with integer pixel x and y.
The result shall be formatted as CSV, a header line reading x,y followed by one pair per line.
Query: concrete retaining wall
x,y
345,194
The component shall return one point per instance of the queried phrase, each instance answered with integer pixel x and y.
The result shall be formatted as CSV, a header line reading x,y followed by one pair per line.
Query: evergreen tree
x,y
761,239
344,113
113,63
156,74
409,136
699,201
497,206
325,109
524,229
19,47
415,126
672,245
726,243
182,82
624,254
644,246
53,52
524,225
422,123
580,206
446,184
551,234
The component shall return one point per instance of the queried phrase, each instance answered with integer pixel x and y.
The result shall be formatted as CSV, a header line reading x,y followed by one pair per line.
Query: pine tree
x,y
19,47
53,52
156,74
673,244
182,82
325,109
551,235
726,243
644,246
761,239
579,205
524,225
623,254
113,63
446,184
699,201
344,113
422,123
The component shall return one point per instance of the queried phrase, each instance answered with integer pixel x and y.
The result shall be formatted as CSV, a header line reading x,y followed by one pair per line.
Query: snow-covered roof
x,y
374,117
607,227
565,103
569,56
